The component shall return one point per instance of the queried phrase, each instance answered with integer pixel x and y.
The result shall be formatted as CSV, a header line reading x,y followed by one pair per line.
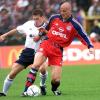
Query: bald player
x,y
62,29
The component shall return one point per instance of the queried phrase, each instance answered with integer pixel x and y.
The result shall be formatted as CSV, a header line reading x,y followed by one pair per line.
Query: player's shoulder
x,y
55,16
30,22
75,23
27,25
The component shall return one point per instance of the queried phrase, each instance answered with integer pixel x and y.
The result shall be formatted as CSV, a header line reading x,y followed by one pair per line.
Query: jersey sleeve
x,y
51,19
22,28
82,35
48,23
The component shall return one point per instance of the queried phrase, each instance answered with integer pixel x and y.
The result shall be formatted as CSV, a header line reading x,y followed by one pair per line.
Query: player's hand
x,y
91,50
42,29
2,38
36,38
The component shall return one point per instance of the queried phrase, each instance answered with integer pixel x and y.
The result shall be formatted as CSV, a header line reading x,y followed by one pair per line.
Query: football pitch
x,y
78,83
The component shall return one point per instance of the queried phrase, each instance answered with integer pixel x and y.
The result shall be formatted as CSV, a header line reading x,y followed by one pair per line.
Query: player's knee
x,y
56,77
12,76
36,66
56,80
42,70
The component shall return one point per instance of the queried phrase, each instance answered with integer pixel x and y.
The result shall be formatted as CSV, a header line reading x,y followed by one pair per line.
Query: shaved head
x,y
66,5
66,9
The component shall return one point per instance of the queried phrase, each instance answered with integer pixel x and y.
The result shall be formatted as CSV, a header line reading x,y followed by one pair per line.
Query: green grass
x,y
78,83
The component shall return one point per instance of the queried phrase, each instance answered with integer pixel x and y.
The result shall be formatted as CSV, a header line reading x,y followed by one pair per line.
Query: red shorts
x,y
52,52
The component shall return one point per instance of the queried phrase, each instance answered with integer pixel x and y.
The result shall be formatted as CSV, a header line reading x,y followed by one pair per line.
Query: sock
x,y
43,78
55,85
7,84
30,78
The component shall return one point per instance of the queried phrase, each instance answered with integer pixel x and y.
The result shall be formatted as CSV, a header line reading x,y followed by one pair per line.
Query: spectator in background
x,y
80,15
74,8
95,32
28,13
20,10
55,6
94,9
47,8
78,12
6,24
5,21
83,3
39,4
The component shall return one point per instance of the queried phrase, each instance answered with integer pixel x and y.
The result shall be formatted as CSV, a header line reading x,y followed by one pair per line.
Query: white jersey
x,y
30,30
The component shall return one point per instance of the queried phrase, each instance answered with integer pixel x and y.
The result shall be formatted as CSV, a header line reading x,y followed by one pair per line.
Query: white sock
x,y
7,84
43,78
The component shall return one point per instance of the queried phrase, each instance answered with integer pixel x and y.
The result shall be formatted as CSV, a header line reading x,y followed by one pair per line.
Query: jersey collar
x,y
66,20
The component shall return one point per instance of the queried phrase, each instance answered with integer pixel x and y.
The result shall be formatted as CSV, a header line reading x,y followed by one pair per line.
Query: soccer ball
x,y
33,90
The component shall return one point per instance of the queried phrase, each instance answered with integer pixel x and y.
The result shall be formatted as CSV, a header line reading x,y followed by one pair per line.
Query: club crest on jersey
x,y
68,28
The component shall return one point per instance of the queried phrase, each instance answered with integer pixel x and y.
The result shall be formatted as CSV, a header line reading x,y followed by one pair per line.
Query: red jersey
x,y
63,32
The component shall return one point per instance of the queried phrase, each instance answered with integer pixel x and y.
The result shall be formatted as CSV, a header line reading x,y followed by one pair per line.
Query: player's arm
x,y
44,30
5,35
20,29
83,37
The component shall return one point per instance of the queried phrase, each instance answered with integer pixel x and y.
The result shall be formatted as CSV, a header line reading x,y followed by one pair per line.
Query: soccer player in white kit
x,y
26,58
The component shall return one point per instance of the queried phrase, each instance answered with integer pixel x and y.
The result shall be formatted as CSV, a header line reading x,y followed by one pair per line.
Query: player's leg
x,y
16,68
56,65
43,74
43,77
38,61
25,59
56,77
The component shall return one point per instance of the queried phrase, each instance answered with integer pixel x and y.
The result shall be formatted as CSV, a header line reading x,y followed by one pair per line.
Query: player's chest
x,y
32,31
65,28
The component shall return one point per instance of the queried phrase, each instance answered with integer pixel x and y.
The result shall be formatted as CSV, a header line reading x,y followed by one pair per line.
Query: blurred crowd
x,y
16,12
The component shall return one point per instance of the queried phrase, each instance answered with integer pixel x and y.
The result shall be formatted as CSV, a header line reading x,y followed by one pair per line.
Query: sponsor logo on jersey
x,y
59,34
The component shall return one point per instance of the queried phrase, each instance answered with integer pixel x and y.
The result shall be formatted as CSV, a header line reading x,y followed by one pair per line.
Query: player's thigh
x,y
56,73
16,68
39,59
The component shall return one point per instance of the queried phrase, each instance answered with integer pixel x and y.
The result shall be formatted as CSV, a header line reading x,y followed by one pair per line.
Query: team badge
x,y
68,28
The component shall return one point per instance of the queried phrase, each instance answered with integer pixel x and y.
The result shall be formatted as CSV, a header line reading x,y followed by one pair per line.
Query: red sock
x,y
30,78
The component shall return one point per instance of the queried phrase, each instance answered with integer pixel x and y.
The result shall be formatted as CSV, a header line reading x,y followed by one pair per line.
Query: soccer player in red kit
x,y
62,29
